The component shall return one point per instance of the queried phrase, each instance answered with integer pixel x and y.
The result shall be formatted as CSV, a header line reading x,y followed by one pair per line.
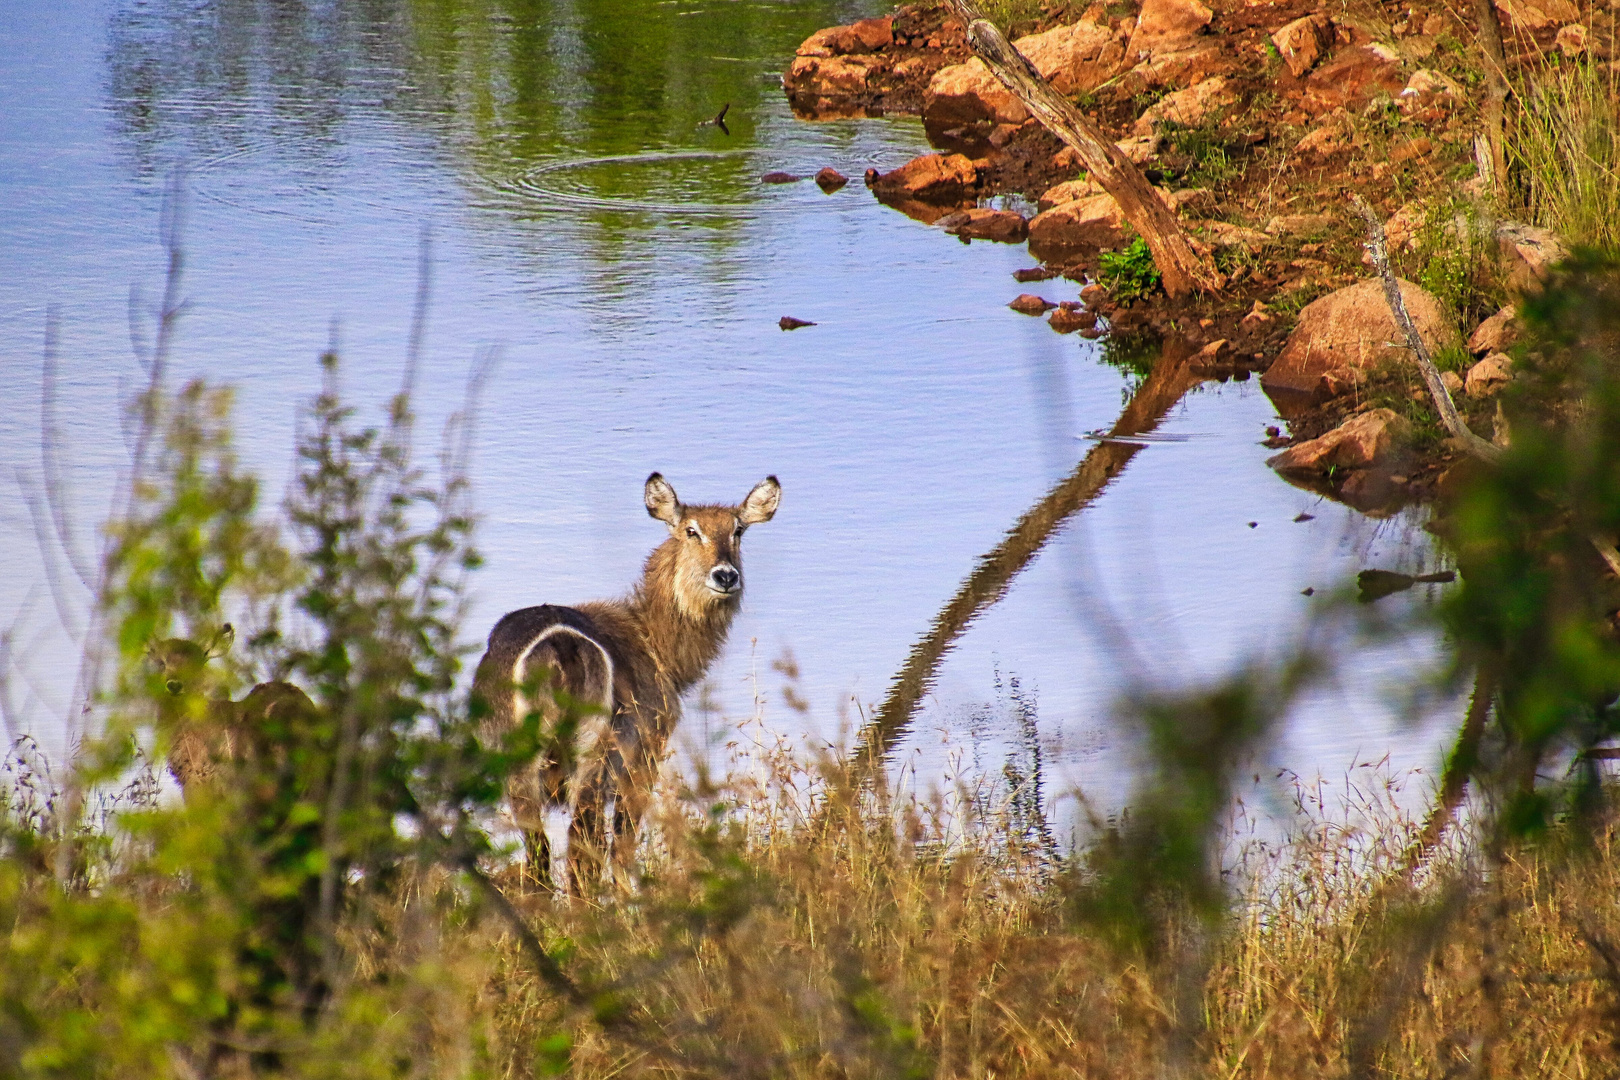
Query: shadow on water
x,y
1170,380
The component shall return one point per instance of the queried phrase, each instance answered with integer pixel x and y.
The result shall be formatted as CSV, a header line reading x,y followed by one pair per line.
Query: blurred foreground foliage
x,y
327,899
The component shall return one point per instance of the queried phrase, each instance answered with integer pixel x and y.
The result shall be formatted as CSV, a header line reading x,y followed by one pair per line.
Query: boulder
x,y
1366,439
811,77
1427,89
1190,107
1073,58
1300,225
1353,78
1528,254
1189,63
1141,149
1324,141
983,223
1495,334
1068,192
865,36
1537,14
1083,225
969,94
931,178
1572,39
1066,320
1402,229
1303,42
1164,25
1488,376
1030,304
1351,331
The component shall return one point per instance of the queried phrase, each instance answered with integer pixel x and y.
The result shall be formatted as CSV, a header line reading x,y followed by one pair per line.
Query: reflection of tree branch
x,y
1171,378
1459,767
50,449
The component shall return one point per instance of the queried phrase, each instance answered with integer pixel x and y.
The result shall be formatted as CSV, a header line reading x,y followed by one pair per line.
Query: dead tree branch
x,y
1183,269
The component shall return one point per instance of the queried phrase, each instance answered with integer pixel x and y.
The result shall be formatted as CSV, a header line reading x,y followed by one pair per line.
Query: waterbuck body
x,y
605,679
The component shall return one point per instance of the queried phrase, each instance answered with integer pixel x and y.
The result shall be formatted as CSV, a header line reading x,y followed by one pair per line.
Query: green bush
x,y
1129,274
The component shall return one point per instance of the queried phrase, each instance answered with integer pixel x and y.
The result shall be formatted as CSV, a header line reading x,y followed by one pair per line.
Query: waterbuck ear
x,y
761,502
662,502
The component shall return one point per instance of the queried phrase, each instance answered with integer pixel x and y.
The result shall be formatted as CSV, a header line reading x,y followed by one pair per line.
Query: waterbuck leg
x,y
587,838
537,859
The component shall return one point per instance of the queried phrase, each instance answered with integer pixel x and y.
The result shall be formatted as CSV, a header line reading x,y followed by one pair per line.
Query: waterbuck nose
x,y
724,577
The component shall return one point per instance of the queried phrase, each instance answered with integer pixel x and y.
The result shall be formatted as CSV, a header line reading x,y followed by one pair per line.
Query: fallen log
x,y
1182,268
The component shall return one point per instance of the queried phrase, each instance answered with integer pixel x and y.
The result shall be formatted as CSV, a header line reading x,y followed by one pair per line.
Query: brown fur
x,y
608,676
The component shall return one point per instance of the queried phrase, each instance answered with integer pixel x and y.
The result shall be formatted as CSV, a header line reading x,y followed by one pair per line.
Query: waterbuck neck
x,y
683,633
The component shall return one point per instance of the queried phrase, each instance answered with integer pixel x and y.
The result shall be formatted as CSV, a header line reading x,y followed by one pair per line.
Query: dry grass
x,y
1564,143
771,938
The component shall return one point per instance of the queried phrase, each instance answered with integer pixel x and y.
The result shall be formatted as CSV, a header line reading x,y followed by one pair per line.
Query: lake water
x,y
631,270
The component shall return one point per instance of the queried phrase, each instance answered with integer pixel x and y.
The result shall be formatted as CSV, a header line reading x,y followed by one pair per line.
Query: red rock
x,y
788,322
1141,149
1528,254
830,179
1353,329
1572,39
1537,14
1073,58
1324,141
983,223
810,77
874,34
1428,89
1068,192
1082,225
1495,334
1402,229
1164,23
1067,321
1367,439
1412,148
969,94
1189,107
1303,41
1487,377
1353,77
1030,304
932,178
1034,273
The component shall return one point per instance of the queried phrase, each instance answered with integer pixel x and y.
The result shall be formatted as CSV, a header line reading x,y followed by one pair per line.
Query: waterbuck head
x,y
703,556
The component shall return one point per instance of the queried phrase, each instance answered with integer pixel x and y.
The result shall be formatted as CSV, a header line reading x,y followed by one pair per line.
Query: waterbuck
x,y
606,678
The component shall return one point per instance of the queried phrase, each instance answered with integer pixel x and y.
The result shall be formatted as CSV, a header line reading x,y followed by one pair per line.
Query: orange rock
x,y
1528,254
873,34
1495,334
1303,41
1538,14
829,76
1030,304
933,178
1367,439
1084,224
983,223
1487,377
1163,23
1073,58
967,94
1189,107
1352,77
1353,329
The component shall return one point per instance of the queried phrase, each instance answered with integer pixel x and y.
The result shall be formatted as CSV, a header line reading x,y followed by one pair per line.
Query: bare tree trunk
x,y
1494,112
1182,268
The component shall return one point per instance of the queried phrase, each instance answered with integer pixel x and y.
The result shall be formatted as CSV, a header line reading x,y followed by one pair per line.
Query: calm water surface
x,y
630,270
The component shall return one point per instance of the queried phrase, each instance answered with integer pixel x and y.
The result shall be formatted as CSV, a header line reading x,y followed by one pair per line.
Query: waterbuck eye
x,y
691,533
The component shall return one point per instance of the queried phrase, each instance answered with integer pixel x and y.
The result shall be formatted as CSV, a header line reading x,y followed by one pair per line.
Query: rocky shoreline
x,y
1257,122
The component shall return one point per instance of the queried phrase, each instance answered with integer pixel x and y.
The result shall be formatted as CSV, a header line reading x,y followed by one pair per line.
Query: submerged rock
x,y
830,179
1351,331
788,322
982,223
780,178
1067,320
1030,304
